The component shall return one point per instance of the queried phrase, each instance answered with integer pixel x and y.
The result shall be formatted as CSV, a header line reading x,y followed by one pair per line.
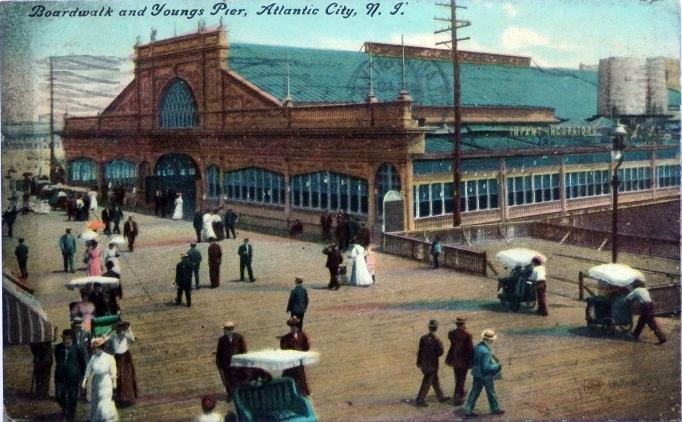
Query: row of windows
x,y
634,179
580,184
120,172
668,176
330,191
253,185
538,188
437,198
82,171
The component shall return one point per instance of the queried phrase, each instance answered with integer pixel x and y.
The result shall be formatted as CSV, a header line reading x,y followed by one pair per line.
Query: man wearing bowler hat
x,y
460,357
430,349
195,258
183,279
68,374
486,367
298,301
229,344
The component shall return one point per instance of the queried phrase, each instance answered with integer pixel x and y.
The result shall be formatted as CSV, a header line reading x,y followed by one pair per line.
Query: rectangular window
x,y
364,199
315,190
334,191
324,191
537,181
590,183
296,191
415,199
483,195
518,191
436,199
354,195
556,187
343,192
424,209
528,189
259,185
305,191
267,187
472,196
510,192
252,184
448,195
492,191
582,181
462,197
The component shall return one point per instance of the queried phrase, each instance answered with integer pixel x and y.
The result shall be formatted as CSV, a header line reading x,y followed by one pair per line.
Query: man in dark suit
x,y
68,374
198,223
230,223
116,217
485,368
195,258
81,338
298,302
130,232
430,349
245,253
106,219
229,344
21,252
183,279
334,260
159,210
460,357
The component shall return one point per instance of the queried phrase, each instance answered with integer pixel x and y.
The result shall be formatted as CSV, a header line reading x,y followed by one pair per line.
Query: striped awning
x,y
23,319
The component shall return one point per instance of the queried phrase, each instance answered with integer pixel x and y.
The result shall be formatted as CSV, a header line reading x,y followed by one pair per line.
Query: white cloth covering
x,y
360,275
177,214
207,232
101,373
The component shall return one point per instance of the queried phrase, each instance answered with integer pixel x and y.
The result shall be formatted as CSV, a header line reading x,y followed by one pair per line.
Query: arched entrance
x,y
175,173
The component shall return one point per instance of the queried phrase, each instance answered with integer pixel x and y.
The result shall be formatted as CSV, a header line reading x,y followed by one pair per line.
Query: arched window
x,y
120,173
176,165
213,180
329,191
178,107
255,185
82,170
387,178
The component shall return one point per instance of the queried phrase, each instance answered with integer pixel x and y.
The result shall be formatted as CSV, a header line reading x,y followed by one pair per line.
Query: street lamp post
x,y
618,144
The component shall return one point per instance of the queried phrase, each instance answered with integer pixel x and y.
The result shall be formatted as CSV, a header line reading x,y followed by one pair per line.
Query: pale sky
x,y
554,32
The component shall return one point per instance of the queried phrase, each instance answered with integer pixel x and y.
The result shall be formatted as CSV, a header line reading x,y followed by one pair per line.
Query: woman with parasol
x,y
120,341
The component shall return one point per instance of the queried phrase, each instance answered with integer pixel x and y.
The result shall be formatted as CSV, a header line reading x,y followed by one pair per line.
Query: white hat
x,y
488,334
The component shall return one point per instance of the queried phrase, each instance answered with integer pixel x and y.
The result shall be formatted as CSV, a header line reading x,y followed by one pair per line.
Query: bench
x,y
276,400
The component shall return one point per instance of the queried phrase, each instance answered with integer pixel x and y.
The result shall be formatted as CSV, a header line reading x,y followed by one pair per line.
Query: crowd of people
x,y
104,364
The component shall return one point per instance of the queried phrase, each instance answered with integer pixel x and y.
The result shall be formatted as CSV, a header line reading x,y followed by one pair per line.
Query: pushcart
x,y
517,289
608,309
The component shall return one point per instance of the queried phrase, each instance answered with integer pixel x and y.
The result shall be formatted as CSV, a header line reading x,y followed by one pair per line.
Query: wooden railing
x,y
454,257
591,238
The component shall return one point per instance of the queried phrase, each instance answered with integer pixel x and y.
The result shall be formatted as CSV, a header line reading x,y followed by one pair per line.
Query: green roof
x,y
331,76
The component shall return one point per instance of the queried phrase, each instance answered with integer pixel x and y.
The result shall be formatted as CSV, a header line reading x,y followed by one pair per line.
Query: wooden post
x,y
580,285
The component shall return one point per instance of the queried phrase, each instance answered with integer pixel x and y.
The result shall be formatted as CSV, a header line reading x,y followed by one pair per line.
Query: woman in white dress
x,y
207,232
101,374
359,276
111,254
177,214
93,200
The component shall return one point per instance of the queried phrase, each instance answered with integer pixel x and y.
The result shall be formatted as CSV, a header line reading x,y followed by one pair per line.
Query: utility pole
x,y
457,100
52,157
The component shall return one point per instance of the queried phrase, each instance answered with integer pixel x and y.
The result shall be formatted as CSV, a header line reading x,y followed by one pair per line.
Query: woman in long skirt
x,y
120,342
359,276
94,256
218,229
93,200
296,340
101,374
178,214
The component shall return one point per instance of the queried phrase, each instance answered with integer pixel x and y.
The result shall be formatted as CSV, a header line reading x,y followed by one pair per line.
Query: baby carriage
x,y
517,288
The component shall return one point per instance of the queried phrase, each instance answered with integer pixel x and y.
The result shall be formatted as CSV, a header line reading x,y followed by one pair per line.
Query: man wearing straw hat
x,y
430,349
486,367
229,344
460,357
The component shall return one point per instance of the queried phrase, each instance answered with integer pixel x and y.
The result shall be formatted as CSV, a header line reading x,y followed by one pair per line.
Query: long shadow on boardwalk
x,y
446,305
568,331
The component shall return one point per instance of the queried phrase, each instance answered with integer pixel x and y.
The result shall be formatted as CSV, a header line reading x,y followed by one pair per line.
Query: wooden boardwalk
x,y
553,367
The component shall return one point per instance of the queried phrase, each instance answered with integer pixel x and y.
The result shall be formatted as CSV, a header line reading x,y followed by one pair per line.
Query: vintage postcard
x,y
340,210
